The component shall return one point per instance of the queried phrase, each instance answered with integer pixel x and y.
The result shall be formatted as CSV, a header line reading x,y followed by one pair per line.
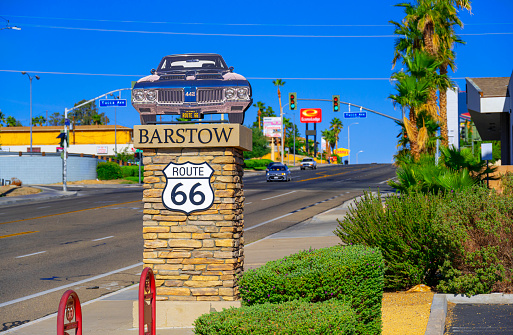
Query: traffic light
x,y
138,155
336,101
292,101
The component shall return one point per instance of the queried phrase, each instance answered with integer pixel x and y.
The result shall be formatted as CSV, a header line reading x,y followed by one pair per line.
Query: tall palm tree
x,y
261,108
330,138
336,125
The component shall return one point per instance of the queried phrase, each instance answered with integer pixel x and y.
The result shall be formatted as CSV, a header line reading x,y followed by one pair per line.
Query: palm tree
x,y
97,119
38,120
12,122
261,108
336,125
330,138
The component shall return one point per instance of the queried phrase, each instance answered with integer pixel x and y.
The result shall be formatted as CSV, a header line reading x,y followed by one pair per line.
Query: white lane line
x,y
263,223
247,203
7,303
103,238
276,196
43,207
35,253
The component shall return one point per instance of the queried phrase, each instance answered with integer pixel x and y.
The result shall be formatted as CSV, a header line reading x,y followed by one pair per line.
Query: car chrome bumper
x,y
217,108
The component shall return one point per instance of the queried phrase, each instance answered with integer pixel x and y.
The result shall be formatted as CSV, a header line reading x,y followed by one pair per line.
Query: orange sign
x,y
310,115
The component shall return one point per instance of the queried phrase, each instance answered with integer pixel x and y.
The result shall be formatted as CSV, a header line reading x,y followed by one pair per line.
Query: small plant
x,y
108,171
16,182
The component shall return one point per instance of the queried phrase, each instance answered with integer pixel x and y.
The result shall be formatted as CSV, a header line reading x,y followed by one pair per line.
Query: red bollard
x,y
147,303
69,309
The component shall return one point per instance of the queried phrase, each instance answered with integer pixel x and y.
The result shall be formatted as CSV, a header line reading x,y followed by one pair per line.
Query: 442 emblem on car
x,y
188,187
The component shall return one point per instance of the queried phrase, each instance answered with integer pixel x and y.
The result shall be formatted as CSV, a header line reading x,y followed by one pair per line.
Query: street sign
x,y
188,187
113,103
67,122
310,115
352,115
486,151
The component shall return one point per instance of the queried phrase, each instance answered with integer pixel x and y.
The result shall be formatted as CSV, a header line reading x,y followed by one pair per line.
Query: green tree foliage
x,y
56,119
124,155
2,118
260,145
10,121
87,114
38,120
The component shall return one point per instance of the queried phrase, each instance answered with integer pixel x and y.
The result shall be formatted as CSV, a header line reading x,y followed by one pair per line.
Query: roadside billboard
x,y
310,115
272,126
341,152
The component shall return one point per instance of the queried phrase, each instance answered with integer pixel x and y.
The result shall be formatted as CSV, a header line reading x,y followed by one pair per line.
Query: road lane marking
x,y
279,195
247,203
43,207
103,238
35,253
293,212
70,212
35,295
25,232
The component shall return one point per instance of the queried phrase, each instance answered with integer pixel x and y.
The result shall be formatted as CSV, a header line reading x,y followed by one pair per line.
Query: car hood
x,y
156,77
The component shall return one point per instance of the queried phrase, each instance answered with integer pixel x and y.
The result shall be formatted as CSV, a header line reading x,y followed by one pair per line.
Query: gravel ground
x,y
406,313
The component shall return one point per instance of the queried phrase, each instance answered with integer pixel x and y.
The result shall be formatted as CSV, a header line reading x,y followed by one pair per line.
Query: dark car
x,y
272,164
191,86
278,172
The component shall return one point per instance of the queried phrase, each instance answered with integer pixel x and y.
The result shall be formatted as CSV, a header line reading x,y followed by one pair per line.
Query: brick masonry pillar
x,y
195,257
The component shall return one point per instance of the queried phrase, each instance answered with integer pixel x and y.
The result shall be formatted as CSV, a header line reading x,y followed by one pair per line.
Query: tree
x,y
336,125
56,119
261,108
97,119
12,122
330,138
2,118
84,114
38,120
260,145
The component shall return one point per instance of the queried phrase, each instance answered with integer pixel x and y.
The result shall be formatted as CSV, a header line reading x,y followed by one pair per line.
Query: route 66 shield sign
x,y
188,187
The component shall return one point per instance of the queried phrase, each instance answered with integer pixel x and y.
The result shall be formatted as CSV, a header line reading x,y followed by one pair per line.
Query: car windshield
x,y
192,62
277,168
308,160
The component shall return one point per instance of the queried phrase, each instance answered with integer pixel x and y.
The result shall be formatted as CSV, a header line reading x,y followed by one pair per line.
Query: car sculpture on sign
x,y
191,86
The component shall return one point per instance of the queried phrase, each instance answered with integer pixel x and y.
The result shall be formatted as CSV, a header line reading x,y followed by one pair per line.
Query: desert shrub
x,y
353,274
459,242
294,317
131,171
403,228
108,171
16,181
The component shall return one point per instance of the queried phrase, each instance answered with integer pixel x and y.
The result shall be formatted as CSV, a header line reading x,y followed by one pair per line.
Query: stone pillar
x,y
195,257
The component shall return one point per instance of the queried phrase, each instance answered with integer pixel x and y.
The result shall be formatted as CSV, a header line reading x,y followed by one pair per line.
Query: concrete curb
x,y
438,314
46,194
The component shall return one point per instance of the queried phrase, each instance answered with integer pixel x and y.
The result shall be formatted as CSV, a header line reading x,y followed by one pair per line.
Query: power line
x,y
235,24
250,78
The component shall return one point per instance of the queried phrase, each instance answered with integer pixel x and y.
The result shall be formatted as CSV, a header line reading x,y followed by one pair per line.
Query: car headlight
x,y
151,95
138,95
283,174
242,93
229,93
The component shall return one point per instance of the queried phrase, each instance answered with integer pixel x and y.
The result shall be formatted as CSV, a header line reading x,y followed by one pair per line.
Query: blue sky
x,y
263,40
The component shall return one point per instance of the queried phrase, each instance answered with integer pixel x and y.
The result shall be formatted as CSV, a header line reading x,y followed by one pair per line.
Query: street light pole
x,y
357,156
30,120
294,131
349,143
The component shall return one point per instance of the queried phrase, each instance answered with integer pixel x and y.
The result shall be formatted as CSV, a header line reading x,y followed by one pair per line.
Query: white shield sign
x,y
188,187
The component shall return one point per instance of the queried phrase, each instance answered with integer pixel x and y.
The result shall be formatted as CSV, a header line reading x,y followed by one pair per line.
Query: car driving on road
x,y
278,172
308,163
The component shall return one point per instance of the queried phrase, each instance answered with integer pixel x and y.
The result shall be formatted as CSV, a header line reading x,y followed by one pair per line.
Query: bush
x,y
459,242
294,317
131,171
353,274
108,171
256,164
136,179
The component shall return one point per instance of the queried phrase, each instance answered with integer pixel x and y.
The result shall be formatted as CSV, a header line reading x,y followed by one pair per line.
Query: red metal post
x,y
147,303
70,312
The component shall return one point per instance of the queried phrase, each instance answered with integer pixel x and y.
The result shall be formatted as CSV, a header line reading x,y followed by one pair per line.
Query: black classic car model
x,y
191,86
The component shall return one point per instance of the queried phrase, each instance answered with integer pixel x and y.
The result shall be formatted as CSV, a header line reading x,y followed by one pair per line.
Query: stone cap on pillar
x,y
193,136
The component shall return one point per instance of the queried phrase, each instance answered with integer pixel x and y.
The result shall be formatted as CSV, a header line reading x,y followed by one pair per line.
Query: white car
x,y
308,163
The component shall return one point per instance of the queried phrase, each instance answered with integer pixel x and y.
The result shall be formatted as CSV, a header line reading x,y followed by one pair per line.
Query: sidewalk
x,y
112,314
45,195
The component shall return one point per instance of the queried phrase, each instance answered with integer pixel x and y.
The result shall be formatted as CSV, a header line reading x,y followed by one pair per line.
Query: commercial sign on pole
x,y
272,126
310,115
341,152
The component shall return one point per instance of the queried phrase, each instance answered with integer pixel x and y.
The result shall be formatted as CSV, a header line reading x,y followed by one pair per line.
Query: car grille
x,y
171,96
212,95
173,77
209,76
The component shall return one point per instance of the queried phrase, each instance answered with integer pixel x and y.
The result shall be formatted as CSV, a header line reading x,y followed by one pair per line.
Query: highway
x,y
93,243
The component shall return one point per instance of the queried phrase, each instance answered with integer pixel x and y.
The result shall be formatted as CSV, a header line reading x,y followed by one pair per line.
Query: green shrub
x,y
136,179
132,171
108,171
294,317
256,164
457,241
353,274
260,168
507,183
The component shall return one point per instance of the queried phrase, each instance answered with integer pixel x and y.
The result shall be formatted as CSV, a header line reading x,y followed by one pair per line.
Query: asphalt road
x,y
93,244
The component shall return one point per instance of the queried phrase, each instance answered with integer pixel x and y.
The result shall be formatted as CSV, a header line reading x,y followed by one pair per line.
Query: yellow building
x,y
93,140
